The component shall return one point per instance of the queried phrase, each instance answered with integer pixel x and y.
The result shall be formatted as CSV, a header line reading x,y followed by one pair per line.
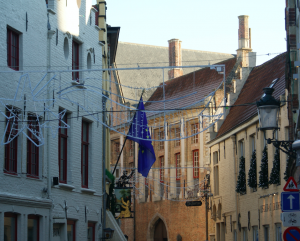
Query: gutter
x,y
234,131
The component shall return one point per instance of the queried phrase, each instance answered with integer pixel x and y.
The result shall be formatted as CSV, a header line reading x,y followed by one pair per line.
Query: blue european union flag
x,y
139,132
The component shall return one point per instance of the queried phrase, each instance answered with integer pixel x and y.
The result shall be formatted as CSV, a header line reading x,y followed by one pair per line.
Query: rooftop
x,y
190,88
260,77
131,55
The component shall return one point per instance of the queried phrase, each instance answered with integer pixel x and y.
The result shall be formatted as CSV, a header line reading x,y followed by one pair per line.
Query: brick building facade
x,y
180,170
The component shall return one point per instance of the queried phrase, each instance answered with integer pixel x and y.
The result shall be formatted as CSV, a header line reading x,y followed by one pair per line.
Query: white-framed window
x,y
131,149
161,136
177,136
195,128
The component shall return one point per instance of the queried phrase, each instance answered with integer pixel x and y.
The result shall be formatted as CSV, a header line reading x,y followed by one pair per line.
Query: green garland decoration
x,y
252,174
263,173
275,173
241,182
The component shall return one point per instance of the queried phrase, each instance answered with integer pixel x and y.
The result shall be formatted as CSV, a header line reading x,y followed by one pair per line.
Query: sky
x,y
201,24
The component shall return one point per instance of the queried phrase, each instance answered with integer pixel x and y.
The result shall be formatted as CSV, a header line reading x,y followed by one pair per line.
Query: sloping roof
x,y
130,55
190,88
260,77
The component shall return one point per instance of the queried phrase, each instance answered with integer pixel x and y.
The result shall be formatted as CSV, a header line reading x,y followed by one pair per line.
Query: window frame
x,y
30,152
9,34
63,136
11,145
161,170
131,148
85,144
35,217
177,135
73,224
196,168
178,167
195,129
216,173
161,144
13,215
75,60
92,225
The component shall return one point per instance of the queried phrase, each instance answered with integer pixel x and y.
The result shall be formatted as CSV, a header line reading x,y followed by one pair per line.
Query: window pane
x,y
10,229
71,232
32,229
91,232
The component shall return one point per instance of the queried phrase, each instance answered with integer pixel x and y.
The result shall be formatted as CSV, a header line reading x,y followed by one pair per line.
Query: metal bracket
x,y
286,146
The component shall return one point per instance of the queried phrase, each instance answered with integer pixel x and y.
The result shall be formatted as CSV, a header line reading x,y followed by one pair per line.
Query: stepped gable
x,y
188,91
259,78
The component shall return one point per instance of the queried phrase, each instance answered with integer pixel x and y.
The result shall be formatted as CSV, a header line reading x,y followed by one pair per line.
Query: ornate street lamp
x,y
268,112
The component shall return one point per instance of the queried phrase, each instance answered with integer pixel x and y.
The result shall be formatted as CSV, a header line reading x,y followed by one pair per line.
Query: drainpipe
x,y
49,37
104,99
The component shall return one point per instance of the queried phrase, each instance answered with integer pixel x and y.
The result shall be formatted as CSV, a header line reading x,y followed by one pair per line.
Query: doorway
x,y
160,231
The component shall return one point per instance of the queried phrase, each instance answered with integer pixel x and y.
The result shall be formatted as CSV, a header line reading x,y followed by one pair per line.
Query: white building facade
x,y
51,152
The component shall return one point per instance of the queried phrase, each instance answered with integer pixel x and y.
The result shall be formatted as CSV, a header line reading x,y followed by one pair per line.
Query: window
x,y
11,147
216,173
241,149
161,136
10,227
278,232
13,49
194,133
75,61
85,154
32,149
131,150
91,232
255,233
33,228
178,169
177,136
96,14
162,170
266,233
71,231
245,236
62,151
196,163
146,189
117,148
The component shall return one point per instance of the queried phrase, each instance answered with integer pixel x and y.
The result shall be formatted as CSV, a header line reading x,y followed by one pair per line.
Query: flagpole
x,y
126,138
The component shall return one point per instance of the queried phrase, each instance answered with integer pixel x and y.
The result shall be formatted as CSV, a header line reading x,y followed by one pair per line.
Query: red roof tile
x,y
260,77
190,88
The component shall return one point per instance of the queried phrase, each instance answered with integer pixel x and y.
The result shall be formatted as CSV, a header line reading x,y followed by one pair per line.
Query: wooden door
x,y
160,231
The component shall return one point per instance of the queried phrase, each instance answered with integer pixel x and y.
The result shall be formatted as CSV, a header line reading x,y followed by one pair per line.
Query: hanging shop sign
x,y
123,203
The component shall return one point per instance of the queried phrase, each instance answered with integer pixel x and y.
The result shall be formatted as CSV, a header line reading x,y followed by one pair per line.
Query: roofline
x,y
202,51
236,129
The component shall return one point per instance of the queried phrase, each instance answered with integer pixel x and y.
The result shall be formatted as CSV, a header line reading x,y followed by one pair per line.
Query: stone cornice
x,y
25,201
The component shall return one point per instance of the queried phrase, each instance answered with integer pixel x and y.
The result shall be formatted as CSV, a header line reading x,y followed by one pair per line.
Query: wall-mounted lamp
x,y
268,113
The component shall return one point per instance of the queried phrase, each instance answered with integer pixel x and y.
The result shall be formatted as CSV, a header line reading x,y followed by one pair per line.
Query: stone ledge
x,y
88,191
66,186
20,200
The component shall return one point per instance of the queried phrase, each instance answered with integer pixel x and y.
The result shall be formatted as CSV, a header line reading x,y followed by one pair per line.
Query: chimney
x,y
244,42
175,58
